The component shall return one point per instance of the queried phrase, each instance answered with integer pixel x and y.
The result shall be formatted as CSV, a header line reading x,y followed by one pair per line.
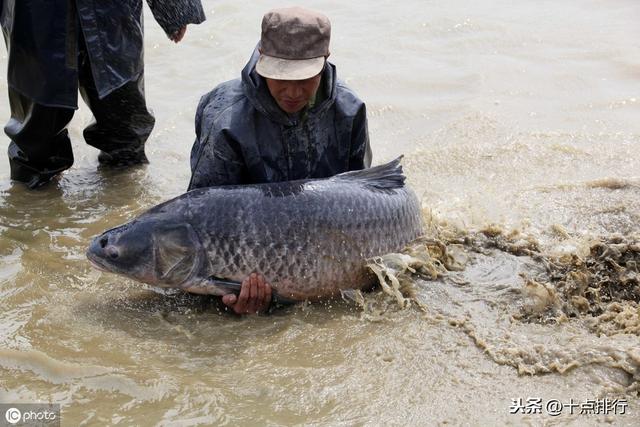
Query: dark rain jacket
x,y
41,37
243,137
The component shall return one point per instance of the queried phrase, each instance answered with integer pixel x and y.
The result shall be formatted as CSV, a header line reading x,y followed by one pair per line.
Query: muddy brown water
x,y
516,118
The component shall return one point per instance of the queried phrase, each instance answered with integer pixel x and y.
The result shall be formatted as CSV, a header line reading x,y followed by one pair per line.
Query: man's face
x,y
293,95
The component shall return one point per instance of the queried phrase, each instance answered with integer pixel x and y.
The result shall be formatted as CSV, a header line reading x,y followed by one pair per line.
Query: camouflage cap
x,y
294,44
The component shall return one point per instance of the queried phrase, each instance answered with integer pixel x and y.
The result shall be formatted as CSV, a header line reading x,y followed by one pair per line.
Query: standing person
x,y
288,117
59,46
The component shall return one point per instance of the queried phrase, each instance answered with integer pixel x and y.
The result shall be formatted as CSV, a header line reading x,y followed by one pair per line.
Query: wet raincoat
x,y
43,51
243,137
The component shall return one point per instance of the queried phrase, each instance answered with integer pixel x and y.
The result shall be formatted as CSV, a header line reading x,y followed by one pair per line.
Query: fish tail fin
x,y
382,177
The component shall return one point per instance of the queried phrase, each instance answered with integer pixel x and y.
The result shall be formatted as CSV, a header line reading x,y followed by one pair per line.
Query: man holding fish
x,y
287,118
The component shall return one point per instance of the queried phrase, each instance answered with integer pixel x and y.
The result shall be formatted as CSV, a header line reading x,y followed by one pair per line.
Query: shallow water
x,y
513,113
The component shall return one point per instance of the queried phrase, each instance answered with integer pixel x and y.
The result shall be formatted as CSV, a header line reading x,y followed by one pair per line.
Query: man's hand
x,y
178,35
255,296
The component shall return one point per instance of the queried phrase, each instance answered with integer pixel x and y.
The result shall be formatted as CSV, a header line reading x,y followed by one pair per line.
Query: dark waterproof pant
x,y
40,147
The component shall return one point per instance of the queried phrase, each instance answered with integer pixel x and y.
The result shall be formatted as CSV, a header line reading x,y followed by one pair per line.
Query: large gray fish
x,y
309,238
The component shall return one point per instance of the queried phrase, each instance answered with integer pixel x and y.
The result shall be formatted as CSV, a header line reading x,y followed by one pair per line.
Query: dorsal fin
x,y
383,177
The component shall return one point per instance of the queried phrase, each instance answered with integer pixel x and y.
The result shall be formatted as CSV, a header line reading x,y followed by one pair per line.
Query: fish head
x,y
159,253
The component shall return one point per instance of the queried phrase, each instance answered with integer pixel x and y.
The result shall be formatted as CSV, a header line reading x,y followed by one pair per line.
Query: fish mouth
x,y
100,264
96,262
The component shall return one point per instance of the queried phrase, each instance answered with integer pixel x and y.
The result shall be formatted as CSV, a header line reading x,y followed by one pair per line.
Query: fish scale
x,y
309,238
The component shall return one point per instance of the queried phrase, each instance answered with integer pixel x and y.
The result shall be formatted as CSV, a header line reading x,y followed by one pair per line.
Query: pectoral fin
x,y
176,254
216,286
